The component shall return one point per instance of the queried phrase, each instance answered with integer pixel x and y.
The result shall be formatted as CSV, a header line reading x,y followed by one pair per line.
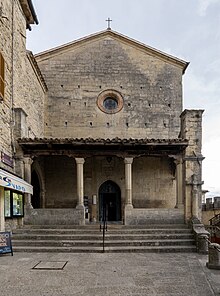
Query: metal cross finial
x,y
109,23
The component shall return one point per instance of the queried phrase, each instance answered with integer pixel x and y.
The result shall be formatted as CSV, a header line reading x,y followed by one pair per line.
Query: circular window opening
x,y
110,101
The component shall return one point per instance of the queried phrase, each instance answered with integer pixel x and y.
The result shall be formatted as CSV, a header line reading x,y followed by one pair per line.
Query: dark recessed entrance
x,y
35,198
110,201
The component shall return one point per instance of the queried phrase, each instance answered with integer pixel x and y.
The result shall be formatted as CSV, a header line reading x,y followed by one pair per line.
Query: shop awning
x,y
13,182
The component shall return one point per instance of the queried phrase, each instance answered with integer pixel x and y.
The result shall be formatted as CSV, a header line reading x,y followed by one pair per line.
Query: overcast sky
x,y
187,29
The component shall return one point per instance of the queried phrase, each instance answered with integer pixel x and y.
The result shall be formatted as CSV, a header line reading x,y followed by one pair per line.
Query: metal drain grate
x,y
50,265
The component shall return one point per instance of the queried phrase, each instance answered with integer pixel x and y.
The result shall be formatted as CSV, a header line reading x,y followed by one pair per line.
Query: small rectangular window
x,y
2,77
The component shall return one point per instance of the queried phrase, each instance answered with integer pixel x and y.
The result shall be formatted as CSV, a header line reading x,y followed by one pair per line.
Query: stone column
x,y
179,183
27,176
128,182
2,206
42,196
80,183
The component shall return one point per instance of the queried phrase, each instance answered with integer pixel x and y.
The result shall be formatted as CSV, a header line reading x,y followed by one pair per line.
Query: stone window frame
x,y
115,95
2,77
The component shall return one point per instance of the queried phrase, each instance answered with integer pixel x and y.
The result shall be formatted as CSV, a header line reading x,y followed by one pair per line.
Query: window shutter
x,y
2,76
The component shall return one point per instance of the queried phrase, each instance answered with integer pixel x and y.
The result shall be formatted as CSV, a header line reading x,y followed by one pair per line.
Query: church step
x,y
99,236
121,249
118,238
69,243
112,226
97,231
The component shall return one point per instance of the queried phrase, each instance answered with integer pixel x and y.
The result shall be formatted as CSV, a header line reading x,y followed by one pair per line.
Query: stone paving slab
x,y
109,274
50,265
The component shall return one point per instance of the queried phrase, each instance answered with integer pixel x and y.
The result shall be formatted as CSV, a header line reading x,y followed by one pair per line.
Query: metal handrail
x,y
209,242
214,220
103,228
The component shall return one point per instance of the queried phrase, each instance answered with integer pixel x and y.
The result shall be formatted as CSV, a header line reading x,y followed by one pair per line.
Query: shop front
x,y
12,191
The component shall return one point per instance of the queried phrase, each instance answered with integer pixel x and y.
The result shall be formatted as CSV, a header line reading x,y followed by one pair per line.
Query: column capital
x,y
128,160
28,160
177,159
79,160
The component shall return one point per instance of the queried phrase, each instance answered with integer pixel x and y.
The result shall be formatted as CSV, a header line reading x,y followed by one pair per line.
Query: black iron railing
x,y
103,226
215,220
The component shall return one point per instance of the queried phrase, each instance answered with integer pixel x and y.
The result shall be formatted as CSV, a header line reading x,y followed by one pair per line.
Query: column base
x,y
80,207
179,206
28,207
129,207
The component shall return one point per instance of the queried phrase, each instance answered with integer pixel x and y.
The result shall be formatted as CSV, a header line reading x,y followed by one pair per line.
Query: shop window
x,y
7,204
2,77
14,204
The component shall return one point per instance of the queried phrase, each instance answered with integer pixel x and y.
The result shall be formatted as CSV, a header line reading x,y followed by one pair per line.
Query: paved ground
x,y
107,274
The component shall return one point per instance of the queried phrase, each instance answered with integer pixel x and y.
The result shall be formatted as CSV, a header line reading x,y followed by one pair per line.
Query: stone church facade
x,y
101,127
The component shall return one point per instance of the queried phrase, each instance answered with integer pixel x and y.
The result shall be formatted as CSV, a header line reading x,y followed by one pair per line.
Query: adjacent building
x,y
22,94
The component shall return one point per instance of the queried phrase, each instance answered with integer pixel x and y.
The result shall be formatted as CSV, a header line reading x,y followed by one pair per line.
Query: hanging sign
x,y
5,243
6,159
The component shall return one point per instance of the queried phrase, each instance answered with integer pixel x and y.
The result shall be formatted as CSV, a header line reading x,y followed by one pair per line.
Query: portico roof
x,y
100,146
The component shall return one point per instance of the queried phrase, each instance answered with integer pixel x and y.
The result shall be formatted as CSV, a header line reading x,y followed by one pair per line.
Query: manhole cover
x,y
50,265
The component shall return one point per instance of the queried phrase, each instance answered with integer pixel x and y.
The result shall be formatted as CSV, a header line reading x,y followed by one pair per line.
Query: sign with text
x,y
5,243
15,183
6,159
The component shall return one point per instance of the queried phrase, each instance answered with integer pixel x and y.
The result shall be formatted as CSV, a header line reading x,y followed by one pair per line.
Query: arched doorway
x,y
35,198
110,201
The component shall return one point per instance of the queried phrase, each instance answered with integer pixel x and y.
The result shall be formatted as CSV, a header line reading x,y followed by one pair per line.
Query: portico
x,y
75,169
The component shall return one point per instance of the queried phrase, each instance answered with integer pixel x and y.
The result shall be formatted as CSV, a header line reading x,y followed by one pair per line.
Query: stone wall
x,y
209,214
23,87
151,89
54,217
153,216
154,183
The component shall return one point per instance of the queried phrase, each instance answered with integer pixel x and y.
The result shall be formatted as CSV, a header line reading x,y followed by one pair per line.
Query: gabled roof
x,y
124,39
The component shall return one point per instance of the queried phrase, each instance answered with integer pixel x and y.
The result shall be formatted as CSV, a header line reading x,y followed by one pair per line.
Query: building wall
x,y
24,89
60,182
151,89
154,183
207,215
6,28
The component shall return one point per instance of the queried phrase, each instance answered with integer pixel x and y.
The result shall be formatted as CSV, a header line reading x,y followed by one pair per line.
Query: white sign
x,y
15,183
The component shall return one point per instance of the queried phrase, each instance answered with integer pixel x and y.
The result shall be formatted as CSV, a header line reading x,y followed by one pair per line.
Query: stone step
x,y
122,249
118,238
97,231
99,236
69,243
112,226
